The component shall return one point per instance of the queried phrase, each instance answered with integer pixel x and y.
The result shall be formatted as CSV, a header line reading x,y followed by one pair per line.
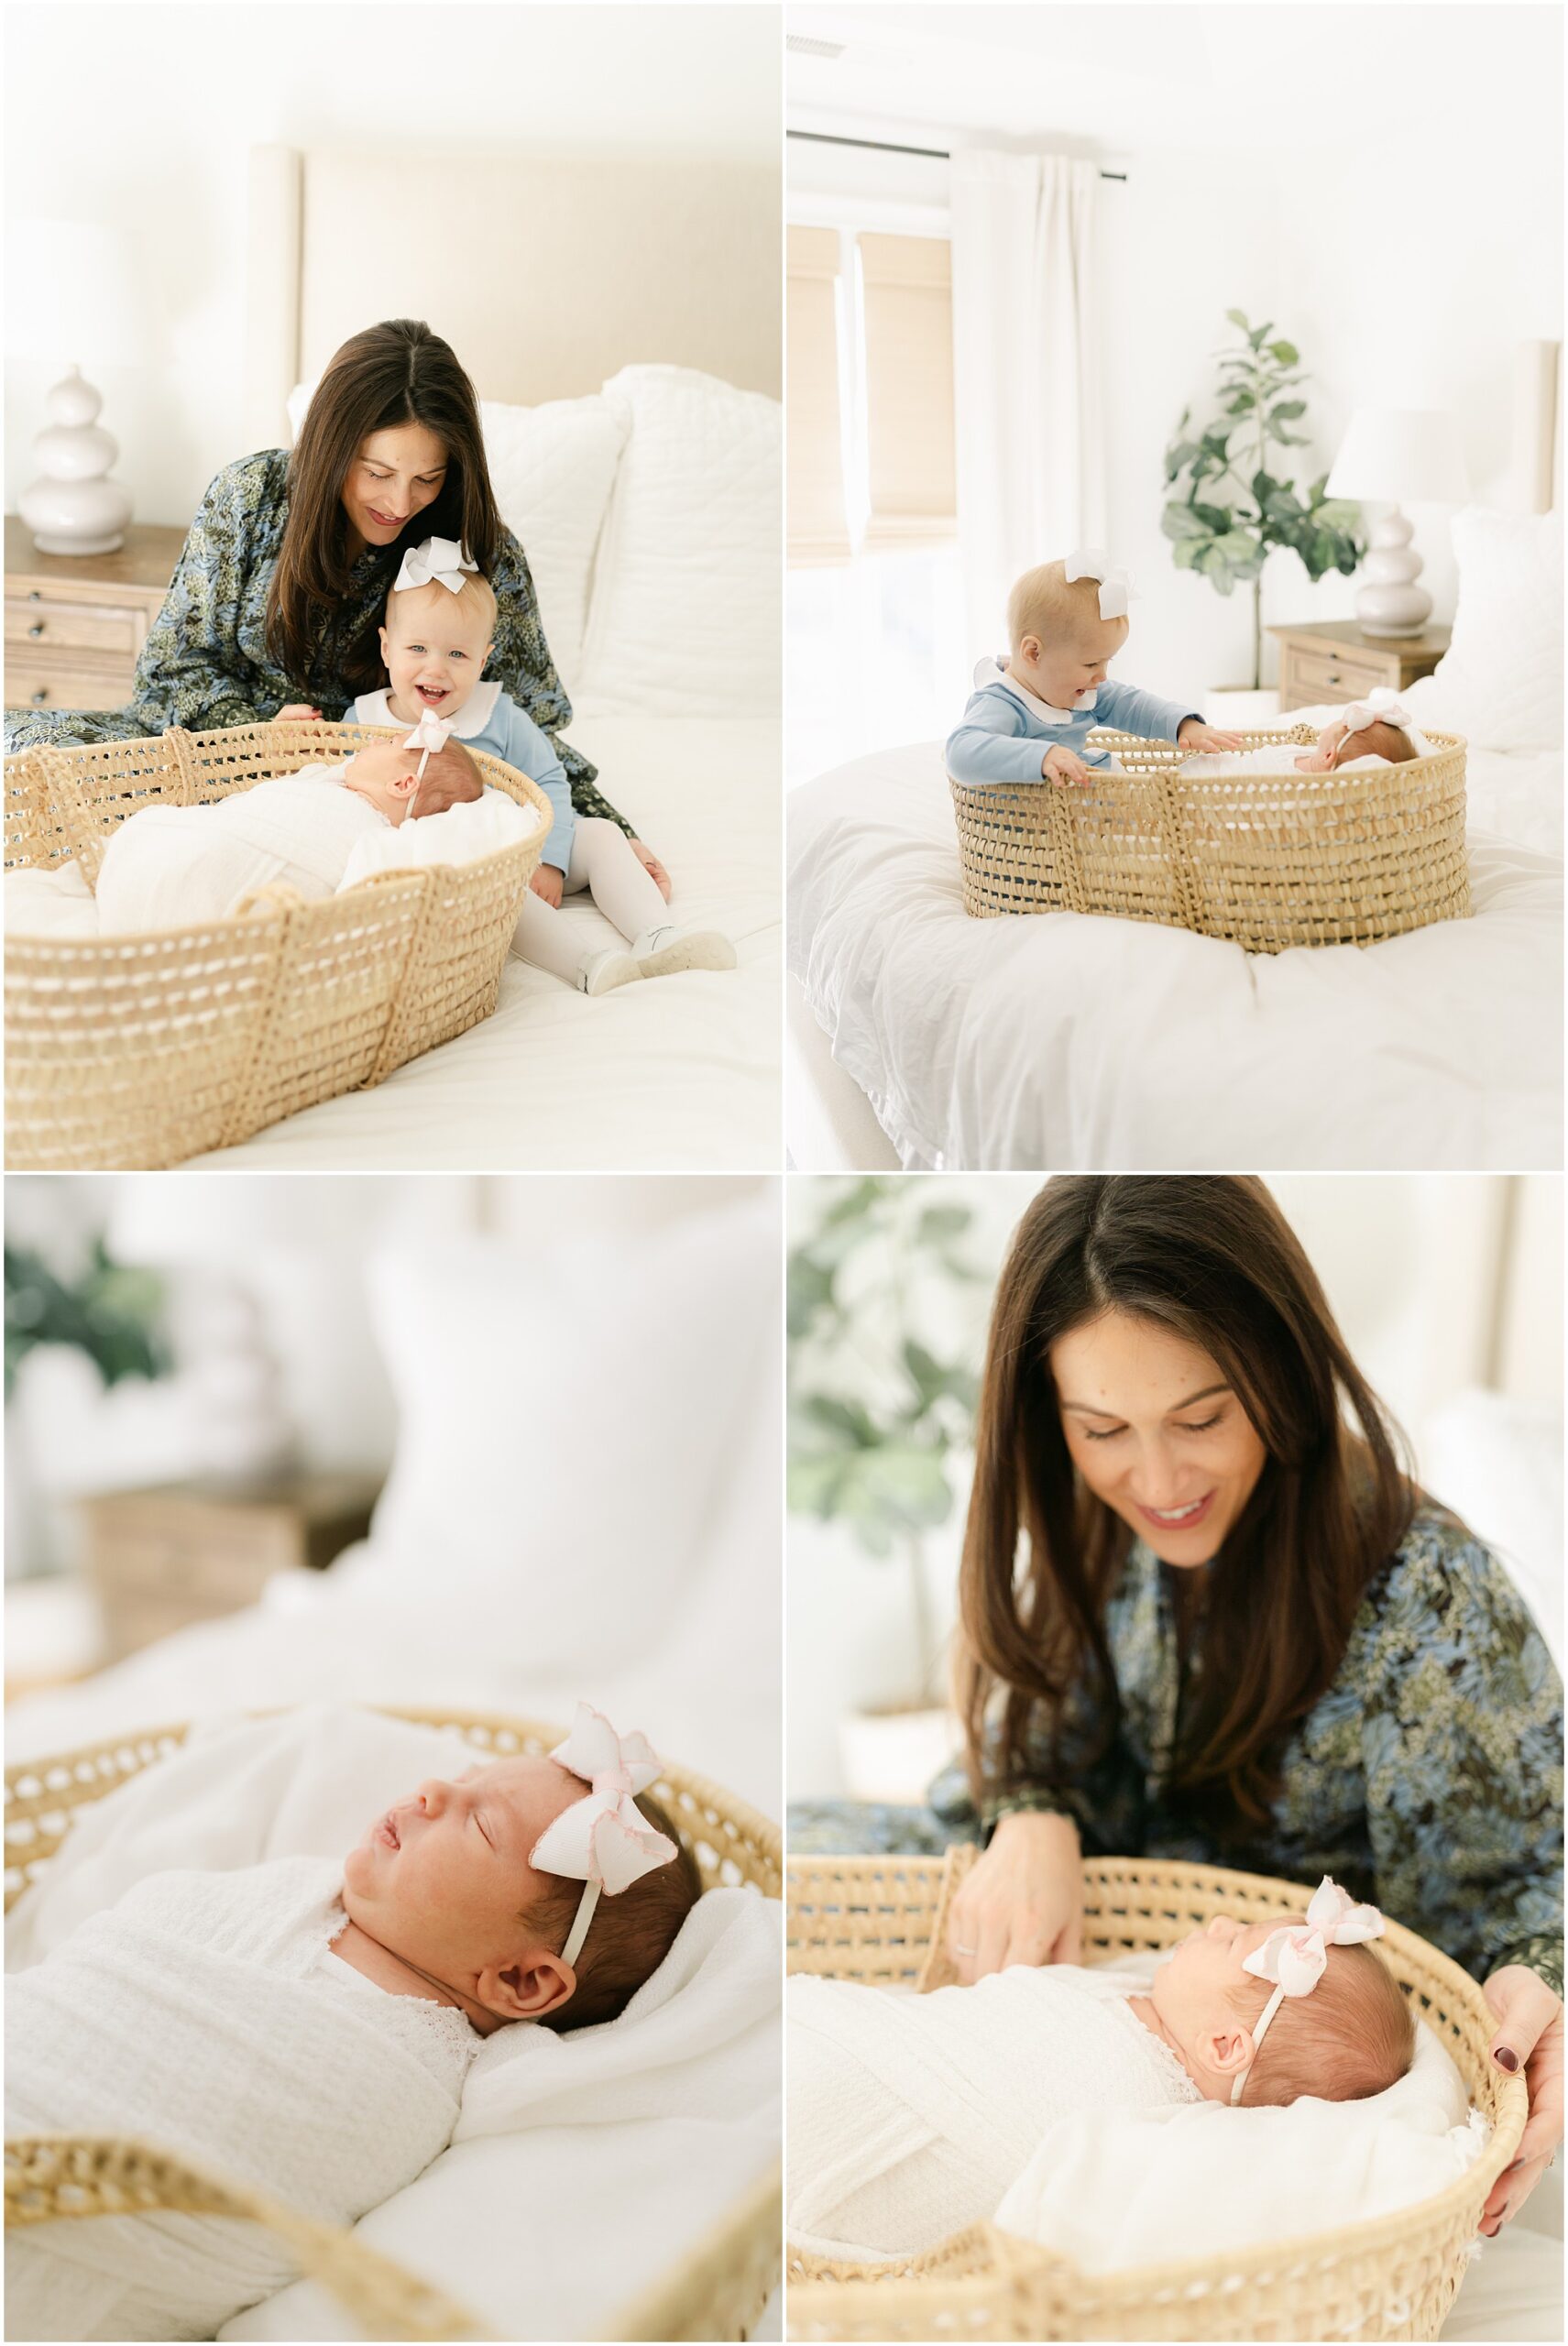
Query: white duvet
x,y
678,1073
664,2117
1063,1042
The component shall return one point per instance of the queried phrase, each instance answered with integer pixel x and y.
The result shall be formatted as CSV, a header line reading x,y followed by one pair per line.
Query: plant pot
x,y
1232,706
892,1755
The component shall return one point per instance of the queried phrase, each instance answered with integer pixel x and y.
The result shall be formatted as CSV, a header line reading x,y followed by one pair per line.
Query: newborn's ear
x,y
539,1983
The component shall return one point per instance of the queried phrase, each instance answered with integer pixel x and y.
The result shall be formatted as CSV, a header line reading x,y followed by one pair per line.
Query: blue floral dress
x,y
1428,1779
205,662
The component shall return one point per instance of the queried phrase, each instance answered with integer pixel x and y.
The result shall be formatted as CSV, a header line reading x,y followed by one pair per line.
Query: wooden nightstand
x,y
177,1553
74,624
1333,661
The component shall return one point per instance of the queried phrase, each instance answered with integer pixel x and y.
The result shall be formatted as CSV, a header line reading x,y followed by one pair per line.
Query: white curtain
x,y
1025,371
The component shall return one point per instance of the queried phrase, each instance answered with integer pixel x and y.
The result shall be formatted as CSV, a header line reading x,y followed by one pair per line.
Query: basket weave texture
x,y
1261,860
141,1051
717,2291
883,1921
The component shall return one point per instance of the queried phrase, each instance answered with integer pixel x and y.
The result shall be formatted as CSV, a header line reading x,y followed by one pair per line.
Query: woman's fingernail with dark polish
x,y
1506,2058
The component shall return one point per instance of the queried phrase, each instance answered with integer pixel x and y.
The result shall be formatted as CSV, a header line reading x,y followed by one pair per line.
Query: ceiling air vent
x,y
801,45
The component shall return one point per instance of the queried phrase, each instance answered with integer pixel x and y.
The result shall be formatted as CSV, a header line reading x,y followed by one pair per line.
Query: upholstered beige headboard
x,y
544,274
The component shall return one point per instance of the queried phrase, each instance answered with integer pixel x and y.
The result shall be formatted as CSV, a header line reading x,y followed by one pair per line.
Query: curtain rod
x,y
886,147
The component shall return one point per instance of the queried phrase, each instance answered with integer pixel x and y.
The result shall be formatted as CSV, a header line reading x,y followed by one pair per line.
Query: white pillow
x,y
1501,680
1498,1462
686,612
551,469
566,1415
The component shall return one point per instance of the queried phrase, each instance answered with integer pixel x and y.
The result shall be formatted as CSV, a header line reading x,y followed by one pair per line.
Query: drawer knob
x,y
37,627
40,696
35,596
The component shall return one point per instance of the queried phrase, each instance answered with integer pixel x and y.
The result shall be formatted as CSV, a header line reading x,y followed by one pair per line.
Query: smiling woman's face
x,y
1157,1432
395,474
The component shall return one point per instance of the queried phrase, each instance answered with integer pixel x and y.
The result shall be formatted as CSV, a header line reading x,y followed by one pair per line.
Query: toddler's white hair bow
x,y
441,559
603,1840
1296,1957
1116,587
1384,706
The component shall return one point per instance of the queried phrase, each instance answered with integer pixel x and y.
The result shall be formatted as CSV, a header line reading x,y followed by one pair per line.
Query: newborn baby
x,y
1376,732
174,867
911,2116
305,2026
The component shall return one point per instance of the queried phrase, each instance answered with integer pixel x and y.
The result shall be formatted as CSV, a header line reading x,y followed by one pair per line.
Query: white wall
x,y
143,116
1384,182
1440,1283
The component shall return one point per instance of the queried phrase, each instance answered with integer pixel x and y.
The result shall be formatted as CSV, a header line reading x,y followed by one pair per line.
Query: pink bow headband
x,y
1297,1956
1384,706
603,1840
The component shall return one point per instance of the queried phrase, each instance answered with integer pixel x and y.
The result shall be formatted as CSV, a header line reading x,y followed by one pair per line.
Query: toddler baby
x,y
911,2116
305,2026
1030,717
436,639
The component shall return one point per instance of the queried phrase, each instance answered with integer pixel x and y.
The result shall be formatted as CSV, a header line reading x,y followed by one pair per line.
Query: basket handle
x,y
938,1971
277,896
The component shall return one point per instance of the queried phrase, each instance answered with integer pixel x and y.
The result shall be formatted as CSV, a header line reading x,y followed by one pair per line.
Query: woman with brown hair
x,y
282,585
1207,1615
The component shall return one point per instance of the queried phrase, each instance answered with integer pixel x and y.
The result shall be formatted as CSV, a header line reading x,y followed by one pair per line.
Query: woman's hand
x,y
655,870
298,712
451,779
547,883
1530,2029
1060,765
1023,1902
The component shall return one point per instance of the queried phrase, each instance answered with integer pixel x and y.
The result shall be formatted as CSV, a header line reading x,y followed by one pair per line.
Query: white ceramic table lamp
x,y
70,291
1410,455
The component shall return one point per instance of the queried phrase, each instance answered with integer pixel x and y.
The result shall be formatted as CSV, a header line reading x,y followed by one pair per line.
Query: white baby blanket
x,y
1280,759
173,867
667,2113
909,2116
199,2013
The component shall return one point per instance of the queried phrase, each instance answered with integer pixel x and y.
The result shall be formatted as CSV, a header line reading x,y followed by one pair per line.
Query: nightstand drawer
x,y
1321,675
50,683
191,1567
101,628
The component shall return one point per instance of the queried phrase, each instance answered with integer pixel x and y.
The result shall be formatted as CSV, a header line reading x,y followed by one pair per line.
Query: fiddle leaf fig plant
x,y
1241,499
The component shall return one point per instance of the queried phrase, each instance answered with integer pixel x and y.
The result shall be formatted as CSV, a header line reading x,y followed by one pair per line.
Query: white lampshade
x,y
73,293
1410,455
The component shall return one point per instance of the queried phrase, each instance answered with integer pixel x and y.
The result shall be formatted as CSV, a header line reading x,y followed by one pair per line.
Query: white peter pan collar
x,y
471,719
995,671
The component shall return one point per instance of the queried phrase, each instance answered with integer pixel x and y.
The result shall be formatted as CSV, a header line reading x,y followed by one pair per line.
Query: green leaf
x,y
808,1288
1180,521
1285,351
1238,318
848,1421
939,1222
1287,410
1213,516
1241,403
812,1485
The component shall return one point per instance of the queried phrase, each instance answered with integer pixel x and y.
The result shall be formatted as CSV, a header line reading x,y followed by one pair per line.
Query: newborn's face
x,y
1192,1991
384,774
443,1879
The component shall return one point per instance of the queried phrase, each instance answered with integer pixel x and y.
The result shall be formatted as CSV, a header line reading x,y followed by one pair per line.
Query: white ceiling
x,y
1120,75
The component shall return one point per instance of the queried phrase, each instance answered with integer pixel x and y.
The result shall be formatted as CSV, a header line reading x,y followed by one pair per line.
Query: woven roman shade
x,y
906,290
817,530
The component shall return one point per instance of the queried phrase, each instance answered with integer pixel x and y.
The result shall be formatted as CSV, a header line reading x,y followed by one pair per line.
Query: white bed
x,y
920,1037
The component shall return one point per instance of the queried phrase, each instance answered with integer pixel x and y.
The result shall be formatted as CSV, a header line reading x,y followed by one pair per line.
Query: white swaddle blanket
x,y
205,2012
1280,759
173,867
911,2116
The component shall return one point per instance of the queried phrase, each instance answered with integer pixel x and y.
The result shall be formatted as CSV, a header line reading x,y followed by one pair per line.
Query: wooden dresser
x,y
172,1554
1333,661
74,624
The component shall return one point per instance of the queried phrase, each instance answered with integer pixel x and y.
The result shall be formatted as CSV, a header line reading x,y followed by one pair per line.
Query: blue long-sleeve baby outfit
x,y
1007,730
489,720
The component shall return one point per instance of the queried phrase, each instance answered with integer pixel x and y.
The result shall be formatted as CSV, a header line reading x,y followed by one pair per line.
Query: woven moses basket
x,y
883,1921
141,1051
718,2290
1264,861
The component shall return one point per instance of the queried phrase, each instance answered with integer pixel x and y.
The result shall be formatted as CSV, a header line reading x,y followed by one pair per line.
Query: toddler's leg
x,y
625,893
550,943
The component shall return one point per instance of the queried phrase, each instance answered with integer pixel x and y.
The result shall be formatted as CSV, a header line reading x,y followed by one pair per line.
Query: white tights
x,y
603,862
